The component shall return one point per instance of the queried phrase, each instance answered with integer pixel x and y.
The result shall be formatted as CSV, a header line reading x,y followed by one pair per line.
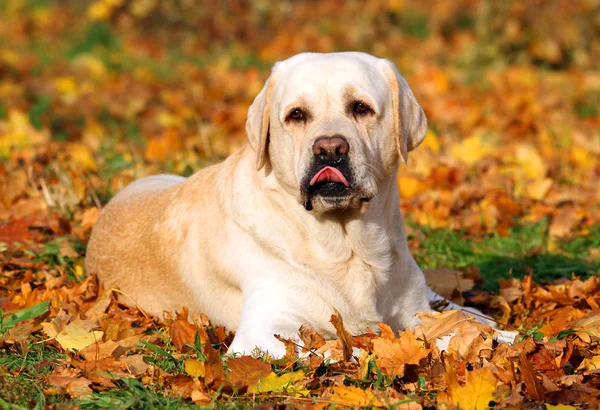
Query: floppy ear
x,y
257,124
410,124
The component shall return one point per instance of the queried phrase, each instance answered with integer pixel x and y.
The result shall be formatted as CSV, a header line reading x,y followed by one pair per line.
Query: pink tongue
x,y
329,174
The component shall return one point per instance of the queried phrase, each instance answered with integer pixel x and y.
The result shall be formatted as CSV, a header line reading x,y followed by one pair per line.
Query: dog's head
x,y
334,126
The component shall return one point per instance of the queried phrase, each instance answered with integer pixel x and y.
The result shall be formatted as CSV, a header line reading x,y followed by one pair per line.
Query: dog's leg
x,y
403,295
268,310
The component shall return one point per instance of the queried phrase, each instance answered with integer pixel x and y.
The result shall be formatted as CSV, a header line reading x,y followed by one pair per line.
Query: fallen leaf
x,y
78,335
310,338
444,281
342,333
354,396
564,222
477,391
393,354
18,231
194,368
246,371
135,364
71,383
471,149
182,331
588,326
534,387
279,384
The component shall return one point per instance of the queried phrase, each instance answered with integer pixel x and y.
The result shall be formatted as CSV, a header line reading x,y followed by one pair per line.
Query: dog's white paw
x,y
505,336
243,345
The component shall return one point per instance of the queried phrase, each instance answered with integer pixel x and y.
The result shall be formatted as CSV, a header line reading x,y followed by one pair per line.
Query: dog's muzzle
x,y
329,175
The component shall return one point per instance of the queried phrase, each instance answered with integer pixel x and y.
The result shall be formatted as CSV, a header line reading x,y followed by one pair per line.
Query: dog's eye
x,y
296,115
362,108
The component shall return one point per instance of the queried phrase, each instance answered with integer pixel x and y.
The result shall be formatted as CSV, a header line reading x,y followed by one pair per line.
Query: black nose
x,y
331,149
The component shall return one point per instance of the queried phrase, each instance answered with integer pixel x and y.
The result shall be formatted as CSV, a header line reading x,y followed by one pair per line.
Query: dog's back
x,y
129,221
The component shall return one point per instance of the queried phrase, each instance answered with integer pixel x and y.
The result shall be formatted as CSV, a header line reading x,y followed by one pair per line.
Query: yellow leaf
x,y
92,65
102,9
354,396
470,150
167,119
364,359
194,368
410,186
17,132
395,4
538,188
583,157
99,11
9,56
278,384
590,363
78,270
559,407
431,141
589,325
77,335
530,161
476,393
67,86
141,8
81,155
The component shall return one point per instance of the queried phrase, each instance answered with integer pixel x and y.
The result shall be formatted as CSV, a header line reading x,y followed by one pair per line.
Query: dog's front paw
x,y
245,345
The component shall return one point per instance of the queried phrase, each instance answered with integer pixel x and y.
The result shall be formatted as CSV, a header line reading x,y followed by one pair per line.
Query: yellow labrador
x,y
302,220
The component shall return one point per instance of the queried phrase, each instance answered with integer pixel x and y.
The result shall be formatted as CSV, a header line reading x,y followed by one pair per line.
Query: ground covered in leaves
x,y
502,198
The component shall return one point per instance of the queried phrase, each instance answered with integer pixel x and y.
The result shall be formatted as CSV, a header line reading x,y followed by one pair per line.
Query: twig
x,y
132,300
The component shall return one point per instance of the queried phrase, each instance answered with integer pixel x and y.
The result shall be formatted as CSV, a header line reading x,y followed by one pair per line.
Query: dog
x,y
302,220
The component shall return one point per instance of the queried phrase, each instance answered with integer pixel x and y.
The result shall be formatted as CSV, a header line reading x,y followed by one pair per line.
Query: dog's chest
x,y
349,278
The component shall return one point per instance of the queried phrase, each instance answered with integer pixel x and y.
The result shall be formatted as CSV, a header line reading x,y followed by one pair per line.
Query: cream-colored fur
x,y
235,240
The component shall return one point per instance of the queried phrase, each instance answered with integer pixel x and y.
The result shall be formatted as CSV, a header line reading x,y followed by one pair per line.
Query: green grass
x,y
22,376
132,395
521,251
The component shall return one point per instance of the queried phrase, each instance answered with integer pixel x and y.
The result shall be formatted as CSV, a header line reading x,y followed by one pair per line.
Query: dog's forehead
x,y
331,73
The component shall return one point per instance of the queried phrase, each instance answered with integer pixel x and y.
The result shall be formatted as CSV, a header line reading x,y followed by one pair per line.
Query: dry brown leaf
x,y
71,383
588,328
438,324
393,355
135,364
311,339
214,371
246,371
99,308
18,334
534,387
563,222
182,332
468,342
342,333
445,281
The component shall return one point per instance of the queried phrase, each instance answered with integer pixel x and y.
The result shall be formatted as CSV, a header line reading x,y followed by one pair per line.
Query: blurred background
x,y
95,94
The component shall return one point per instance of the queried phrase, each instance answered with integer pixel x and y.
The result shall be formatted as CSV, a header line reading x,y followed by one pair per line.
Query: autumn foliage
x,y
94,96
